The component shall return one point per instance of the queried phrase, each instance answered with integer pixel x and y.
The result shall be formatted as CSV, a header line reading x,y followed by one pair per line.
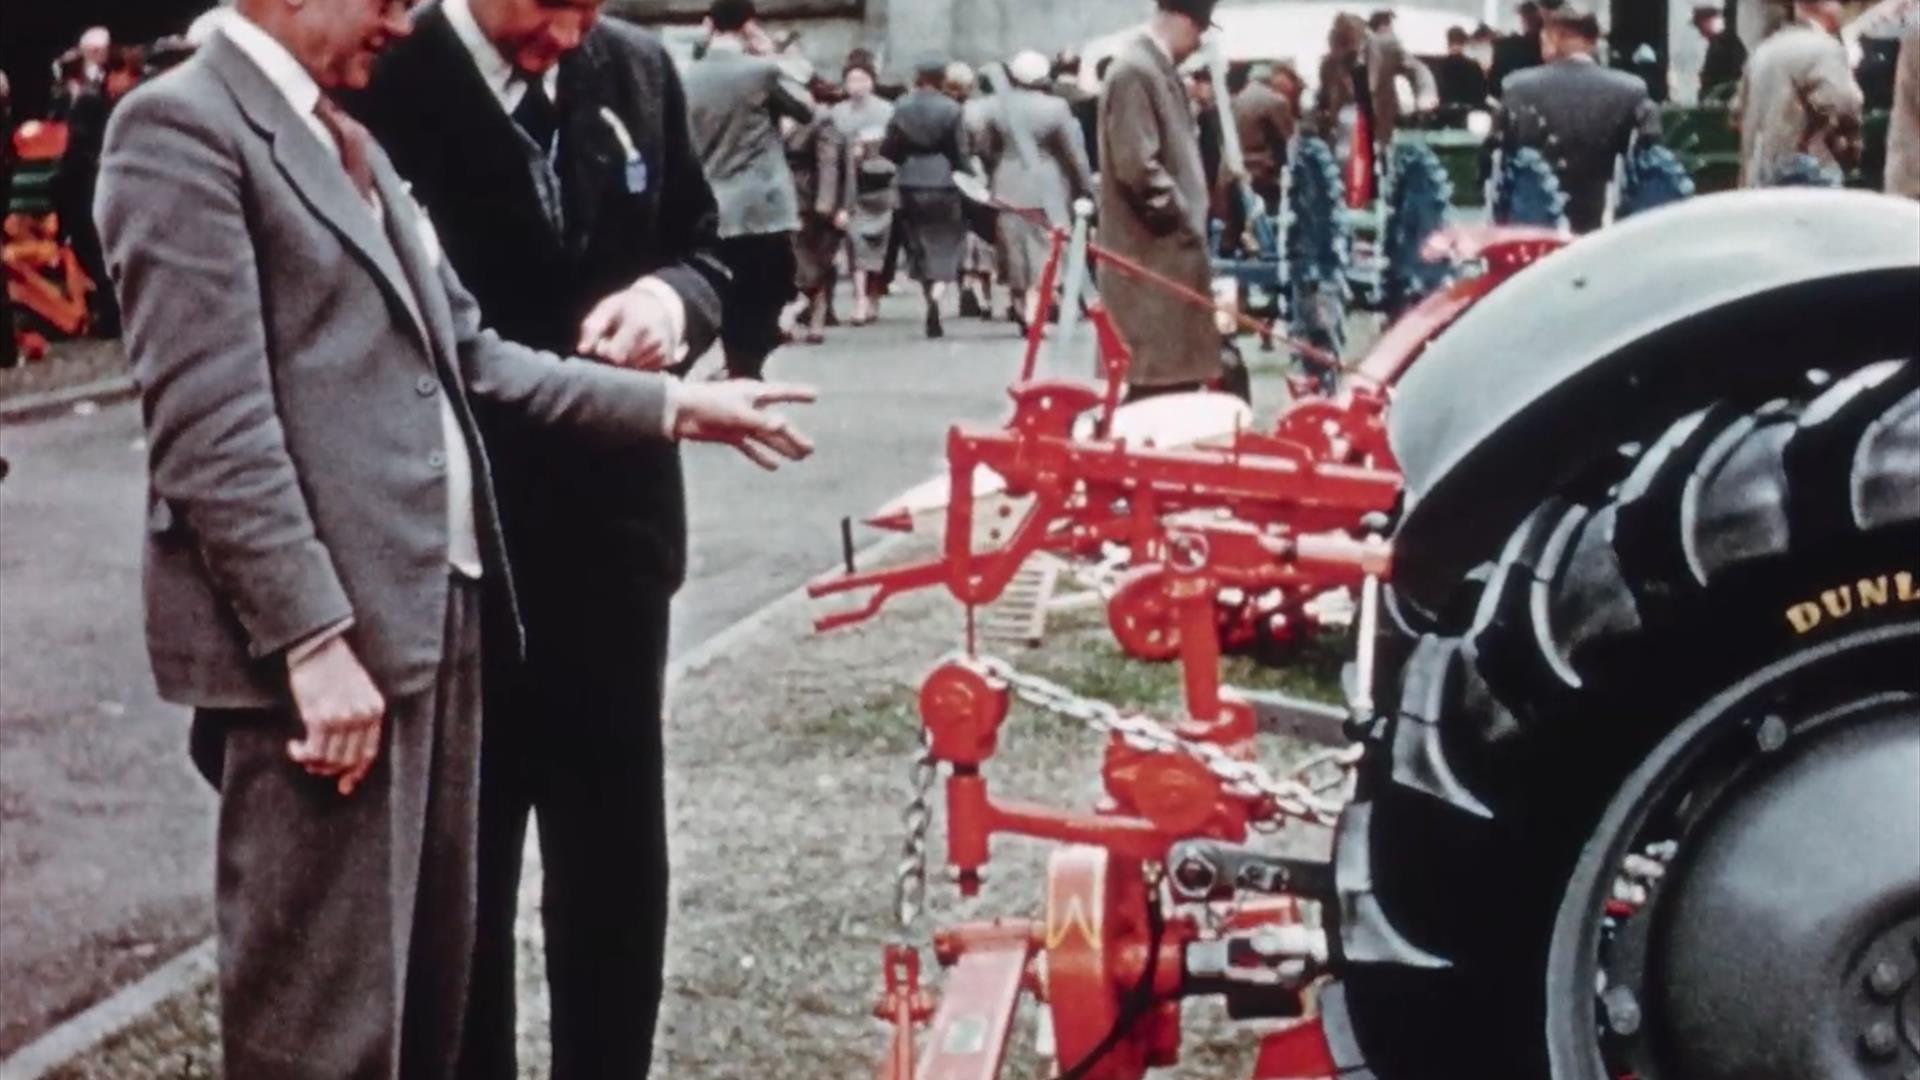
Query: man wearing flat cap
x,y
1153,204
1580,116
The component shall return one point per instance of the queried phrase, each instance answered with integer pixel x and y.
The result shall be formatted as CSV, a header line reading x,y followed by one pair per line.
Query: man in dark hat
x,y
551,149
1153,203
1579,115
1726,54
1517,52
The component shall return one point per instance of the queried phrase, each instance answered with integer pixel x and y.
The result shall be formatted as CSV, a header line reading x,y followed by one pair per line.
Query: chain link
x,y
910,877
1315,790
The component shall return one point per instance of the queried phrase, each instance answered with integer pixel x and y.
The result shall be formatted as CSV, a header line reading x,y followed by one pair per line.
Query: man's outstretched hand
x,y
737,413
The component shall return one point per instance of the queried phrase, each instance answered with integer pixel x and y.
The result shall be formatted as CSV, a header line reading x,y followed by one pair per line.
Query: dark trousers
x,y
763,271
346,923
574,739
73,202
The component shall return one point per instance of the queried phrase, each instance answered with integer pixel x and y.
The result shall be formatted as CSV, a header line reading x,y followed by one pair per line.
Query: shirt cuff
x,y
303,650
676,313
670,411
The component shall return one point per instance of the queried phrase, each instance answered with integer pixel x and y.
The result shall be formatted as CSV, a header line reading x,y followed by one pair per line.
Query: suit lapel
x,y
309,166
404,224
590,153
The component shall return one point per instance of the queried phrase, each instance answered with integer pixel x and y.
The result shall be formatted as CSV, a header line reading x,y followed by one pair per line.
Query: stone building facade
x,y
971,30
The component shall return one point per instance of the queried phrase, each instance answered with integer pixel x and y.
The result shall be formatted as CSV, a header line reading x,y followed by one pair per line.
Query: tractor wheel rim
x,y
1677,955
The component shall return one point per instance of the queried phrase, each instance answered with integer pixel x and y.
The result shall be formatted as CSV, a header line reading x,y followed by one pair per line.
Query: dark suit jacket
x,y
1726,59
573,516
927,137
293,363
1581,117
1512,53
1461,81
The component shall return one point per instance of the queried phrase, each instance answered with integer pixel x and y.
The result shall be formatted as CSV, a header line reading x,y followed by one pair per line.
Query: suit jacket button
x,y
426,385
437,460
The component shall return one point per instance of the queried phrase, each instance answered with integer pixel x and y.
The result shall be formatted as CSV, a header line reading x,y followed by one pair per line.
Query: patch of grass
x,y
177,1041
887,722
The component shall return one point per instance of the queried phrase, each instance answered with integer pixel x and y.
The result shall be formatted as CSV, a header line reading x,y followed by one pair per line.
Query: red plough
x,y
1159,892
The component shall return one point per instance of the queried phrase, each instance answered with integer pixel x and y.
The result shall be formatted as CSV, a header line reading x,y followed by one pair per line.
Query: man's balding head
x,y
335,40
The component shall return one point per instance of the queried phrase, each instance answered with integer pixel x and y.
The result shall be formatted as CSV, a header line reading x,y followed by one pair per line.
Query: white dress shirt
x,y
509,86
301,92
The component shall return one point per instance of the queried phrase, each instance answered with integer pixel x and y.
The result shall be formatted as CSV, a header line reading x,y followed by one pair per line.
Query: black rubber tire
x,y
1611,614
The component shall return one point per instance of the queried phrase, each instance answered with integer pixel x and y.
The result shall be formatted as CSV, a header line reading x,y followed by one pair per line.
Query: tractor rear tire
x,y
1752,569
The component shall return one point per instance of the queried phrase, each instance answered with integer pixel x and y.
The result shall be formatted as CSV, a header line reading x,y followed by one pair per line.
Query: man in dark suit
x,y
322,532
1461,80
1517,52
1580,116
1726,55
551,150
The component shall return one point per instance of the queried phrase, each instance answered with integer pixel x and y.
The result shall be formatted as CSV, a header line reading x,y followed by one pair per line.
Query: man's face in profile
x,y
338,40
534,34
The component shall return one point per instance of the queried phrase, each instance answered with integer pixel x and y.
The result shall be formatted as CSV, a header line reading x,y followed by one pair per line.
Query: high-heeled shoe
x,y
934,329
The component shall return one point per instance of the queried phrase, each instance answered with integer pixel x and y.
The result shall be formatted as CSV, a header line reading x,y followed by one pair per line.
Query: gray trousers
x,y
346,925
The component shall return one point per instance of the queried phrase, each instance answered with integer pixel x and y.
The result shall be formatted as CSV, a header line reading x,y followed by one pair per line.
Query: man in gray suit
x,y
1581,117
322,526
736,96
1153,204
1037,160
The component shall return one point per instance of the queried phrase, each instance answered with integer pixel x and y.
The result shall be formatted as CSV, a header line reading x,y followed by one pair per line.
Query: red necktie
x,y
352,140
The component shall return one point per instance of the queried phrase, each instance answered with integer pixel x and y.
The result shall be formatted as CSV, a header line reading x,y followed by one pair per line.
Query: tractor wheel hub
x,y
1791,936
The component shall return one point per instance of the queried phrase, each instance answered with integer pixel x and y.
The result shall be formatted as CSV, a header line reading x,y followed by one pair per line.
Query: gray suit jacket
x,y
1581,117
1034,151
734,102
1153,209
295,451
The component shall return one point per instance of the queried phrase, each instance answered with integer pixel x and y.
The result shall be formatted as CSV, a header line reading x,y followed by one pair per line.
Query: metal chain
x,y
1299,794
910,878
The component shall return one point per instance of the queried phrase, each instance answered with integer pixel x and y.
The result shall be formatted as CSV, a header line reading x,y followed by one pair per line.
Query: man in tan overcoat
x,y
1798,97
1153,204
1903,130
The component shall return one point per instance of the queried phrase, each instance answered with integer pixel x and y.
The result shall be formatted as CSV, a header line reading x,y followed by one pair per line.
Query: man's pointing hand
x,y
737,414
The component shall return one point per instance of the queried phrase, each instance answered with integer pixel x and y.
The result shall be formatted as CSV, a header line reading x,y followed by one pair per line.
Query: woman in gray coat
x,y
862,123
1036,157
928,140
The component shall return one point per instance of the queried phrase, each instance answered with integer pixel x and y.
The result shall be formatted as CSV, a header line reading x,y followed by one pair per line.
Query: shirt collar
x,y
727,43
500,76
275,62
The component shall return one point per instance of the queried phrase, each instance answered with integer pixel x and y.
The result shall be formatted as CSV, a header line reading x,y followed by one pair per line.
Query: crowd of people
x,y
349,240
